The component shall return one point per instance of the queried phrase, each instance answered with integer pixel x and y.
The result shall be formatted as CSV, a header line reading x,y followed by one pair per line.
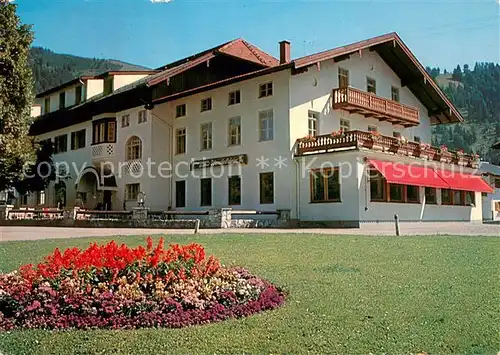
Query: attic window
x,y
206,104
266,89
108,85
78,95
62,100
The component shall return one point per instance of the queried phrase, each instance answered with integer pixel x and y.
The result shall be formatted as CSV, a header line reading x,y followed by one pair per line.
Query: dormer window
x,y
108,85
62,100
78,95
46,105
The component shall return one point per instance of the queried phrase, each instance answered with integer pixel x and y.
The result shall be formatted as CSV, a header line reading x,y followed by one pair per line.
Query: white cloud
x,y
166,1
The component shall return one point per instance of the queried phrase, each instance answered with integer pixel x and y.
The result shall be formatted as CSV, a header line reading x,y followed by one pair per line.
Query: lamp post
x,y
140,199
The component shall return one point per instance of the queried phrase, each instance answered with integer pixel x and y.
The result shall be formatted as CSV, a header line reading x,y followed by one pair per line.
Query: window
x,y
396,134
345,125
40,197
125,120
371,85
234,131
46,105
180,110
430,195
133,148
266,187
234,193
78,139
412,194
206,104
372,129
23,199
180,193
78,94
343,78
416,139
446,197
470,198
395,93
325,185
266,129
497,183
396,193
62,100
206,136
104,131
458,198
143,117
180,138
377,186
108,86
132,191
234,97
266,89
206,192
61,144
313,123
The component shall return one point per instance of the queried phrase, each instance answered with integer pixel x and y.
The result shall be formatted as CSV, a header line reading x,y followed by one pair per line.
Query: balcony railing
x,y
339,141
370,105
103,151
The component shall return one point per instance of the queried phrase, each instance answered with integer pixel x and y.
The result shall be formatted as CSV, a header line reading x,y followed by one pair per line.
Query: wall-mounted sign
x,y
232,159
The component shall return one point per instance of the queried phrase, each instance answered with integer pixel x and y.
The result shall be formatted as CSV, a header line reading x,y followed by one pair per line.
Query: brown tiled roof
x,y
242,49
238,48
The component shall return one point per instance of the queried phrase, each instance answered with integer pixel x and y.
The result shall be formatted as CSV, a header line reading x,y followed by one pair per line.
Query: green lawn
x,y
347,295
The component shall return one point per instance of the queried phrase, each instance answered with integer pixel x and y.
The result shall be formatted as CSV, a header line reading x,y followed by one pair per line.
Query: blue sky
x,y
440,33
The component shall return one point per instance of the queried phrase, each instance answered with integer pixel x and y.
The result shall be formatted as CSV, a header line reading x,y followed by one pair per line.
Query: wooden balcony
x,y
370,105
329,143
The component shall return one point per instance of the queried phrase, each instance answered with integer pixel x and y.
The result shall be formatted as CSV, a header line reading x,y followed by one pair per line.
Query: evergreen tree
x,y
16,95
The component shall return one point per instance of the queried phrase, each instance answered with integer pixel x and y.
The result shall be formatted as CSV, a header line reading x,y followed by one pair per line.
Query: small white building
x,y
491,201
338,137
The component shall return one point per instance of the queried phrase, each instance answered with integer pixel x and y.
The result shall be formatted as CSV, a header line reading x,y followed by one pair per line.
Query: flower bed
x,y
115,287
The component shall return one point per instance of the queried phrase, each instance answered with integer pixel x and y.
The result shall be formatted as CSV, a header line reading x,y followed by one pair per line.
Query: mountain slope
x,y
476,93
51,69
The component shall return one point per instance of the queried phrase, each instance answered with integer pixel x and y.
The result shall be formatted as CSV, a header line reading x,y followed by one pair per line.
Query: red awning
x,y
463,181
399,173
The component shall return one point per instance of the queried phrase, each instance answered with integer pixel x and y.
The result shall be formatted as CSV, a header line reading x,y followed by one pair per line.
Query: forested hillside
x,y
51,69
476,93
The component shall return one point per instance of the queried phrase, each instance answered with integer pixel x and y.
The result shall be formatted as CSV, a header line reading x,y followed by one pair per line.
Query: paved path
x,y
34,233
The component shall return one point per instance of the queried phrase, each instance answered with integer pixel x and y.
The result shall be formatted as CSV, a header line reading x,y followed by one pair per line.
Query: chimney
x,y
284,52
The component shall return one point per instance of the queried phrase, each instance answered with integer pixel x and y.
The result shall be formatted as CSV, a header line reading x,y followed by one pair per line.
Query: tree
x,y
16,95
457,73
38,175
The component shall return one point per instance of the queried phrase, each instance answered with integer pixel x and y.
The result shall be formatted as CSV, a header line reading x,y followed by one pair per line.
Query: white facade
x,y
294,96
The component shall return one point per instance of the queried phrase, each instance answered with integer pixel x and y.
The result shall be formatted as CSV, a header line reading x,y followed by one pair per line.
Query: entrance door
x,y
107,200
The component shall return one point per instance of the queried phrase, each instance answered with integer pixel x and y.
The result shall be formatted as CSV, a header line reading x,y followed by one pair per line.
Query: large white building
x,y
335,137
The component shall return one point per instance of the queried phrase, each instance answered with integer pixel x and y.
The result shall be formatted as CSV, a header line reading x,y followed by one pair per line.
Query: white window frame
x,y
313,123
179,110
179,133
266,89
142,116
206,104
345,123
266,132
368,79
342,72
206,136
133,148
125,120
236,133
232,100
395,90
130,191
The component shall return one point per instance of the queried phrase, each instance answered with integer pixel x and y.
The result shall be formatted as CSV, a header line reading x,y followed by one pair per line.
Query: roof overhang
x,y
401,60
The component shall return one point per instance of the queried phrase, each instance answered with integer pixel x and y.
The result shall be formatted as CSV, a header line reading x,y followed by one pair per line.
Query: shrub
x,y
115,286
